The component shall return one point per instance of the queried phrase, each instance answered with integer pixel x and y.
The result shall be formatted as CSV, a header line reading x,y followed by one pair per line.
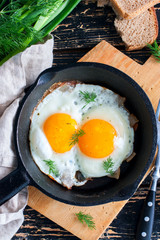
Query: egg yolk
x,y
98,140
59,129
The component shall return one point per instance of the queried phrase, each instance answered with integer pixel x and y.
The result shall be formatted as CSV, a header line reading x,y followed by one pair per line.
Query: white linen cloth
x,y
15,75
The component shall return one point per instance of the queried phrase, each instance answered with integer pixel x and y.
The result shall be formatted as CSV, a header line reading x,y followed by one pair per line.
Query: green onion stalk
x,y
26,22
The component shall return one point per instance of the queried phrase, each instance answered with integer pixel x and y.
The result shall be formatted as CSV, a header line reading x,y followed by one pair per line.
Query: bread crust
x,y
132,48
138,47
120,12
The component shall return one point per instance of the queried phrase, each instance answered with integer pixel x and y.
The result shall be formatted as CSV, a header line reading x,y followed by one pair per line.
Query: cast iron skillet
x,y
100,190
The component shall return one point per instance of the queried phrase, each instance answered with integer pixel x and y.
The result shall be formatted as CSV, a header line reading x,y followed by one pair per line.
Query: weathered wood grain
x,y
69,56
86,26
128,217
36,226
64,214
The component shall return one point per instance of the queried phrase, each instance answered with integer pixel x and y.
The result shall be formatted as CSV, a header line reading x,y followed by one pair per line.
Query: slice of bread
x,y
129,9
139,31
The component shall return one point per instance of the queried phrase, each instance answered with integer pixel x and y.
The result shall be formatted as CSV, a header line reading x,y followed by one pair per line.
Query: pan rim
x,y
149,107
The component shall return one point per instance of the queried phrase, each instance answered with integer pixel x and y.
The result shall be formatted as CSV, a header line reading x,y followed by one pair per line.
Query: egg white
x,y
39,145
67,99
123,142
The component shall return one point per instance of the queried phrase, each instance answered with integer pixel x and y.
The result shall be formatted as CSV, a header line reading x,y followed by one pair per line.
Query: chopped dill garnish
x,y
88,97
86,218
108,165
52,167
155,50
75,136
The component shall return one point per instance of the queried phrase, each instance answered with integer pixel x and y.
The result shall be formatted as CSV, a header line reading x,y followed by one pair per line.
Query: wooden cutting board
x,y
148,77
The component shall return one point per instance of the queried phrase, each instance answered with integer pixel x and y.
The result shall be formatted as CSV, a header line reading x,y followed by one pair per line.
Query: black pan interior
x,y
100,190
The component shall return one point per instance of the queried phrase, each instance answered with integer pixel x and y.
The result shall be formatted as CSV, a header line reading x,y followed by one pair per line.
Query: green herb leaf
x,y
155,50
108,165
75,137
52,167
86,218
25,22
88,97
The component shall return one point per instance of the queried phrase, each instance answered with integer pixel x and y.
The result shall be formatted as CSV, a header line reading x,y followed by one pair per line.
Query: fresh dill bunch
x,y
52,167
88,97
108,165
12,38
155,50
26,22
75,136
7,5
17,20
86,218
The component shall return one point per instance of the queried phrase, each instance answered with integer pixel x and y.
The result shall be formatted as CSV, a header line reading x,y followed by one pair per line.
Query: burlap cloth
x,y
15,75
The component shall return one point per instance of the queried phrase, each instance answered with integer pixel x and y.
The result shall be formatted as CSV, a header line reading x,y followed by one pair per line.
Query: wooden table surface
x,y
84,28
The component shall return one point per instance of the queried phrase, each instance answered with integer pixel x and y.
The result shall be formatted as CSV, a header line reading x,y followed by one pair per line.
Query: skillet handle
x,y
12,184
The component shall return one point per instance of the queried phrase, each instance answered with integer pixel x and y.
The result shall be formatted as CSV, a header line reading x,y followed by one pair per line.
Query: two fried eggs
x,y
80,131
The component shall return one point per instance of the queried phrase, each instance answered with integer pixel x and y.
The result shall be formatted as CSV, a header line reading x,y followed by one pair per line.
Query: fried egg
x,y
100,122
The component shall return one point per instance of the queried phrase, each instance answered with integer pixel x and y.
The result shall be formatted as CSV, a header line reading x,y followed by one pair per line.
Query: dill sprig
x,y
86,218
155,50
88,97
108,165
52,167
26,22
75,136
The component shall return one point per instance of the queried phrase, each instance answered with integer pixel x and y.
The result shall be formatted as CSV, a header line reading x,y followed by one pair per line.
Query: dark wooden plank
x,y
87,25
126,221
69,56
84,28
66,57
36,226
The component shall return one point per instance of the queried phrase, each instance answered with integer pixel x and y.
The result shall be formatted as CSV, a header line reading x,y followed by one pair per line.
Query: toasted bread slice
x,y
136,33
129,9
